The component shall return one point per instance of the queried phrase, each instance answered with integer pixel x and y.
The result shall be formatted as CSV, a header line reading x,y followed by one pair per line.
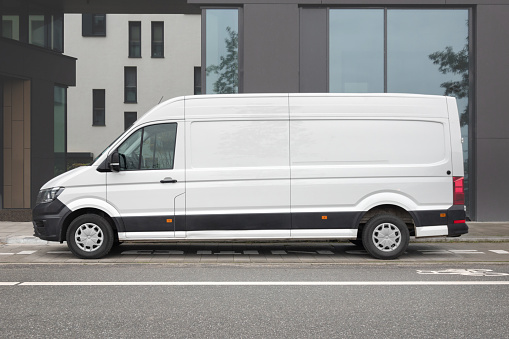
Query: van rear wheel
x,y
385,236
90,236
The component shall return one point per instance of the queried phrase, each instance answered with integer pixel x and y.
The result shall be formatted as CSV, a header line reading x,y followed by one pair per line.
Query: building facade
x,y
453,47
127,63
34,76
458,48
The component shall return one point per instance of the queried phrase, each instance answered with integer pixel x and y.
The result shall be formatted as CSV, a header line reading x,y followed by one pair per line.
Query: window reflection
x,y
10,26
222,46
36,30
430,58
356,50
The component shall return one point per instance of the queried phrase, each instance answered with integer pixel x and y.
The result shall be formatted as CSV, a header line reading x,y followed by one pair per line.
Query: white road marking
x,y
251,252
204,252
6,253
168,252
26,252
499,251
8,283
255,283
476,272
324,252
278,252
59,252
435,252
467,252
302,252
357,252
227,252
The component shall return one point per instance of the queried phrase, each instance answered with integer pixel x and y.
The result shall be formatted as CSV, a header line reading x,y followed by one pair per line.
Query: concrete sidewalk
x,y
22,233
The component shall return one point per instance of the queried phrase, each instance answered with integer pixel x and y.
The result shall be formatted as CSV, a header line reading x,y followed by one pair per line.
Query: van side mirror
x,y
115,162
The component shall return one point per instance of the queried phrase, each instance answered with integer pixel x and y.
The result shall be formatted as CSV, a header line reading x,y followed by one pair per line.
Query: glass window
x,y
93,25
59,135
129,152
356,50
155,144
129,119
222,44
99,107
158,146
10,26
134,39
130,90
57,33
36,30
430,58
197,80
157,39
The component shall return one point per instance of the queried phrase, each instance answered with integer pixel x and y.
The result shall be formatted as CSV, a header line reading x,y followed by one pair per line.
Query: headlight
x,y
48,195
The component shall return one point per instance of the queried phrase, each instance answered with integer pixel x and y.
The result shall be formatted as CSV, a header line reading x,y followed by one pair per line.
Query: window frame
x,y
95,107
126,114
88,27
132,43
153,42
128,87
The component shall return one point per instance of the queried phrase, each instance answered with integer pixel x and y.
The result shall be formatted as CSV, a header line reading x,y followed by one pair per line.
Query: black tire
x,y
90,236
357,242
385,237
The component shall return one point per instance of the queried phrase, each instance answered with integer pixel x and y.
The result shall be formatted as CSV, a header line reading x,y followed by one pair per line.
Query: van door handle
x,y
168,180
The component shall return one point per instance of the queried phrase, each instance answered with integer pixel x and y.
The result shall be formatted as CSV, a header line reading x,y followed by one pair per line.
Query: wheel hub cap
x,y
89,237
387,237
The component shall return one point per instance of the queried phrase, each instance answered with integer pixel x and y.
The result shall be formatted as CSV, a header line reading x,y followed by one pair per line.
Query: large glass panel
x,y
99,107
10,26
356,50
222,47
36,32
427,52
59,107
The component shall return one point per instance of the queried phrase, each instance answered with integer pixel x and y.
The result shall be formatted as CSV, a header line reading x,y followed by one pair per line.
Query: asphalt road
x,y
401,300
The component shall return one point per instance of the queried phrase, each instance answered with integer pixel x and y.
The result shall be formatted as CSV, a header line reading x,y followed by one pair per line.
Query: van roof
x,y
302,105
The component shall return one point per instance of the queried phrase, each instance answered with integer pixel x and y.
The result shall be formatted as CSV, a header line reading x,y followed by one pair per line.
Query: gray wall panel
x,y
313,50
492,113
492,183
271,48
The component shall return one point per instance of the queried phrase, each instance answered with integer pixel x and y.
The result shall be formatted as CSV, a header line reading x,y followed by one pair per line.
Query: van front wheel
x,y
89,236
385,237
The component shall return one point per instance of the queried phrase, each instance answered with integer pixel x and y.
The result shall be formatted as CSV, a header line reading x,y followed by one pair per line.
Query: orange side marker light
x,y
324,217
169,220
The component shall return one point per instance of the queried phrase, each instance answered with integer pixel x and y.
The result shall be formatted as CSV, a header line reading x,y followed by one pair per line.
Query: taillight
x,y
459,192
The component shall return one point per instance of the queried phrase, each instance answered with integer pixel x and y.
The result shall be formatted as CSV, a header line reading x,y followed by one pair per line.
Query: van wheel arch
x,y
397,211
75,214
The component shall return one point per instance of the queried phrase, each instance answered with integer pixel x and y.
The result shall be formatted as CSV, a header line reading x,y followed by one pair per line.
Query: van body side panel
x,y
351,154
238,175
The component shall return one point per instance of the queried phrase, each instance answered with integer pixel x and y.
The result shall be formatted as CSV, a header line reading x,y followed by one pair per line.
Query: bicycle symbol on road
x,y
470,272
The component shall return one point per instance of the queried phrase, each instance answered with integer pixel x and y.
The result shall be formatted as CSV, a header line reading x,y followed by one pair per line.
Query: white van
x,y
372,168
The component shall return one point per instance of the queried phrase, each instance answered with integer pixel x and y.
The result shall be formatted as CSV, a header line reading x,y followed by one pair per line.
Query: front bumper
x,y
48,220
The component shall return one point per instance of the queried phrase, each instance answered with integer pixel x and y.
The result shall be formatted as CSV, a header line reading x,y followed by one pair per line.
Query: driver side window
x,y
151,147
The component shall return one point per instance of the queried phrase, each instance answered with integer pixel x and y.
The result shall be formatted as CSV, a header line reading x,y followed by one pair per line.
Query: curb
x,y
23,240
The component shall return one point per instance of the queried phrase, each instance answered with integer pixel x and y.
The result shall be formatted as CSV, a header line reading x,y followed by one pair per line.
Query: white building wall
x,y
100,65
